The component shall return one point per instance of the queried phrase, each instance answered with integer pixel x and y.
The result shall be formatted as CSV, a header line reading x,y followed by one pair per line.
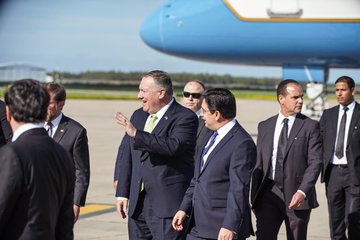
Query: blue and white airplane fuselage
x,y
325,34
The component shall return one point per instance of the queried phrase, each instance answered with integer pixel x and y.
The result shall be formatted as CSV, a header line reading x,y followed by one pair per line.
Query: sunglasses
x,y
194,95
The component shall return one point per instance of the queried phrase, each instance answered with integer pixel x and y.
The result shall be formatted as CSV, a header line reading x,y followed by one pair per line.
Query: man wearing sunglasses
x,y
192,99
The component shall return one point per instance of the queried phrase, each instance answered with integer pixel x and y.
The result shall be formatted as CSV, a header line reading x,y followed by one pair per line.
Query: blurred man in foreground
x,y
36,174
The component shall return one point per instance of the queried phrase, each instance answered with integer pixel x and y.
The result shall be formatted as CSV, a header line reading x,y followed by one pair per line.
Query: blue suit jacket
x,y
218,196
162,159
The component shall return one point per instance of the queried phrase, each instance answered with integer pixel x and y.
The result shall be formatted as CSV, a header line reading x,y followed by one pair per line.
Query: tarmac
x,y
98,219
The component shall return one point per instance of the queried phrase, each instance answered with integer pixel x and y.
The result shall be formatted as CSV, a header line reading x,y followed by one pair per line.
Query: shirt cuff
x,y
121,198
302,193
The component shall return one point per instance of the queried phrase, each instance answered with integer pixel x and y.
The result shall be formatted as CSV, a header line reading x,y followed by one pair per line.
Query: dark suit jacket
x,y
72,136
328,126
36,188
302,162
163,159
219,195
122,153
200,132
5,129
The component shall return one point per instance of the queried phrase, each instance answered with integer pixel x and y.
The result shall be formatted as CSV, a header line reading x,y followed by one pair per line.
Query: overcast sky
x,y
81,35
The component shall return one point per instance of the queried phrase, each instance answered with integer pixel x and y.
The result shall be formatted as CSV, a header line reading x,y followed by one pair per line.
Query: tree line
x,y
179,79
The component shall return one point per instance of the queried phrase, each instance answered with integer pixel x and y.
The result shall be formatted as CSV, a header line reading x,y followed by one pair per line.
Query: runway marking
x,y
94,209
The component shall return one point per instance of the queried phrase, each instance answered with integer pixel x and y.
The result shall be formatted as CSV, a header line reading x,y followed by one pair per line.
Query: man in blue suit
x,y
218,197
156,165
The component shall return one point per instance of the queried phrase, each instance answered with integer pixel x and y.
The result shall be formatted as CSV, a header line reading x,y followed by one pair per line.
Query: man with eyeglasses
x,y
192,99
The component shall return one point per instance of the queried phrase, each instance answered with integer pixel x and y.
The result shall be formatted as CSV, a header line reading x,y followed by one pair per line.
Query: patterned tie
x,y
148,128
151,124
206,149
339,150
283,139
50,128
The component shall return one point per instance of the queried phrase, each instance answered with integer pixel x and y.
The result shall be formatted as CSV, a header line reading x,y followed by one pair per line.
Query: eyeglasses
x,y
194,95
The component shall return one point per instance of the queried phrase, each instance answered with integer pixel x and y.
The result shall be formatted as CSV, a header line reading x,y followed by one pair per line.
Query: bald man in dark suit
x,y
287,167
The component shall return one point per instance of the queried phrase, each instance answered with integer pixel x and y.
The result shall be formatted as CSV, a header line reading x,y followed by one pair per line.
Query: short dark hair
x,y
222,100
28,101
57,90
348,80
162,79
281,89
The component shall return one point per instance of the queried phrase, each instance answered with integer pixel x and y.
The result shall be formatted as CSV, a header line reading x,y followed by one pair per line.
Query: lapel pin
x,y
166,118
62,130
355,127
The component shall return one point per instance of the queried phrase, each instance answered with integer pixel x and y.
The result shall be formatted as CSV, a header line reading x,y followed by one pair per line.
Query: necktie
x,y
206,149
339,150
50,129
283,139
148,128
151,124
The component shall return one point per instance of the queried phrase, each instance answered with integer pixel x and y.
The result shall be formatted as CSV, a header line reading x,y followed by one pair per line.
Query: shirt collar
x,y
25,127
56,121
226,128
198,112
351,106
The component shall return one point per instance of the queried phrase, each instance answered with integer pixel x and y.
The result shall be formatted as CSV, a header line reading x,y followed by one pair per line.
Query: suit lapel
x,y
164,121
298,123
200,127
223,141
61,129
268,139
332,128
199,151
353,123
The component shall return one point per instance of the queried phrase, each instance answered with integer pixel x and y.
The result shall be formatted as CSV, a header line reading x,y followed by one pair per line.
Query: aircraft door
x,y
284,9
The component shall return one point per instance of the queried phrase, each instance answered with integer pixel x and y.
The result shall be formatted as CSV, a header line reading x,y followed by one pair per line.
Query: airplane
x,y
305,37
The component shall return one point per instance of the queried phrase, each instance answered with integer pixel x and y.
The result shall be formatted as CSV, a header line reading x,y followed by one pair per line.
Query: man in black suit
x,y
192,99
157,162
5,129
36,174
287,167
218,197
341,161
72,136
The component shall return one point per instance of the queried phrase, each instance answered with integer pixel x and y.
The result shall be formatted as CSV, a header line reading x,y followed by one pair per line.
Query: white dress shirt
x,y
349,113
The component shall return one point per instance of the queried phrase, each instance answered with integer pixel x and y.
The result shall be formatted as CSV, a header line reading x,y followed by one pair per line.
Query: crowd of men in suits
x,y
186,171
165,201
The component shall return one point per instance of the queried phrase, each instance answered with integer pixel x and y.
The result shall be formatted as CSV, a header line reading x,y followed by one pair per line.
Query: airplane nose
x,y
151,30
